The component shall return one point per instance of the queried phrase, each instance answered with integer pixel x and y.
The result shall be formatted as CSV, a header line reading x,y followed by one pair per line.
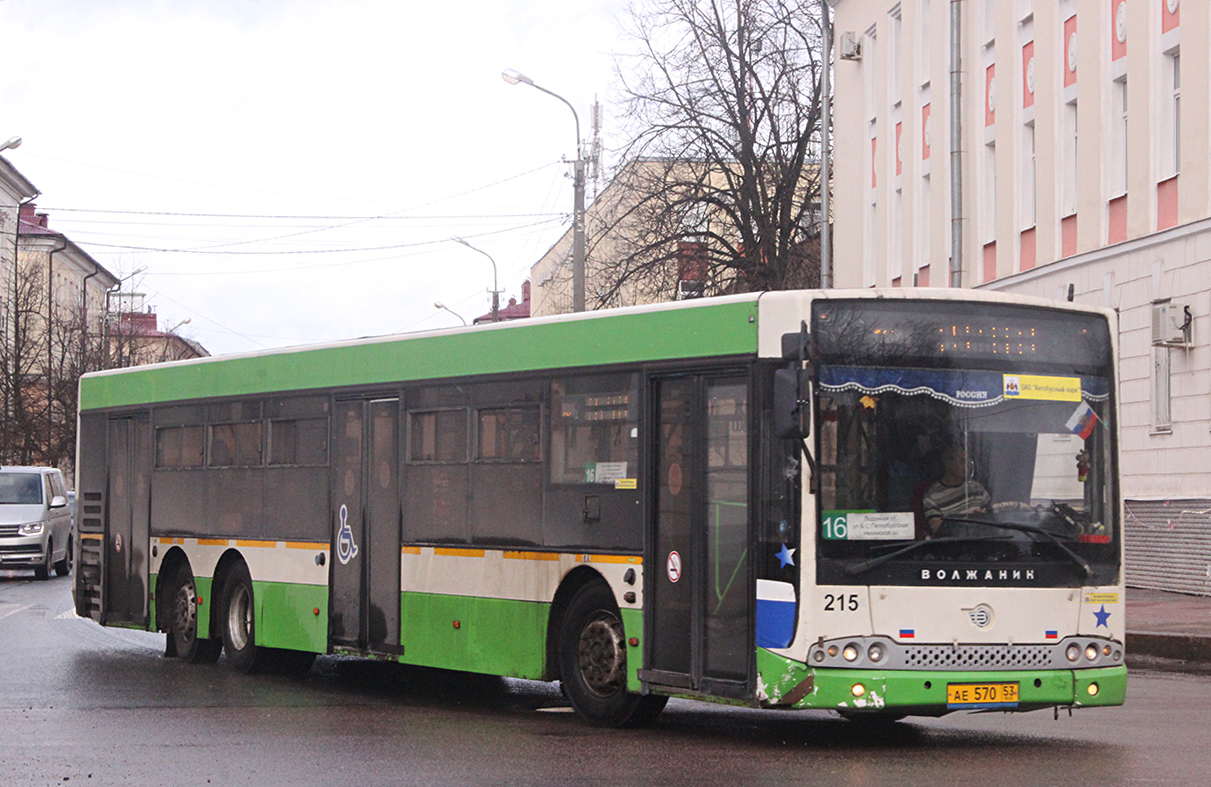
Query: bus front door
x,y
126,525
365,578
698,584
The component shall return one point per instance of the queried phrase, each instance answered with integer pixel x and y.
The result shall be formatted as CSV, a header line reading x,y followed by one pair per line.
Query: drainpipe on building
x,y
956,145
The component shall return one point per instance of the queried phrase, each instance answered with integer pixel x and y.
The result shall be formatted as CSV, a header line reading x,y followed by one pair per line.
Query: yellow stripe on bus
x,y
249,543
531,556
212,542
304,545
410,550
91,536
449,552
609,559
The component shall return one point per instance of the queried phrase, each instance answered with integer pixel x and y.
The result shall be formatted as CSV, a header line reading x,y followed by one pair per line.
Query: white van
x,y
35,521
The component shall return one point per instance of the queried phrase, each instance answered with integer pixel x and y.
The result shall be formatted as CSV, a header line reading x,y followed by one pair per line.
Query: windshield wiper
x,y
1074,557
875,562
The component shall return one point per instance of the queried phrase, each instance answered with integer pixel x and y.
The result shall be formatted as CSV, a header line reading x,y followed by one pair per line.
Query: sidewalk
x,y
1168,625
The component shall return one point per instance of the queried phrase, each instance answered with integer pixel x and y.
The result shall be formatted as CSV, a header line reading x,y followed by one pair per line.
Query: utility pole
x,y
826,101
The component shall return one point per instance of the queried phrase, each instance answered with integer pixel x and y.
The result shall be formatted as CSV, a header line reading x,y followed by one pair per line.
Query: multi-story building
x,y
14,189
1084,173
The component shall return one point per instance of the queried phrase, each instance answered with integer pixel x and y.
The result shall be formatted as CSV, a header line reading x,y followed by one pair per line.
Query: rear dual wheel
x,y
183,621
239,623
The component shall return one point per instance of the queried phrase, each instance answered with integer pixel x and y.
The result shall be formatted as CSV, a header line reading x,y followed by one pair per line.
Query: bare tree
x,y
722,100
48,347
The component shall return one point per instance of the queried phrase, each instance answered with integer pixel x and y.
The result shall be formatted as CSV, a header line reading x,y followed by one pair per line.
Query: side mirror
x,y
58,501
792,404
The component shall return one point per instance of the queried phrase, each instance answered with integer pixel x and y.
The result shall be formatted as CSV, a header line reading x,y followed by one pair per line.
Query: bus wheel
x,y
183,622
593,662
239,628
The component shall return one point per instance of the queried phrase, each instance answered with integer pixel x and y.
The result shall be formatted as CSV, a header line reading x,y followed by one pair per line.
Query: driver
x,y
955,494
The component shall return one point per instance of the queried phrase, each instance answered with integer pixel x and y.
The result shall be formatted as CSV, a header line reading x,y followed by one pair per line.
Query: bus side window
x,y
179,446
299,442
594,429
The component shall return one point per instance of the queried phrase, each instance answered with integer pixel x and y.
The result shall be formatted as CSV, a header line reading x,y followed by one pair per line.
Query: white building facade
x,y
1085,169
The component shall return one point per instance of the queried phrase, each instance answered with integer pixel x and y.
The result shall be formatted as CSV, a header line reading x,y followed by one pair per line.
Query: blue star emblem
x,y
787,556
1102,616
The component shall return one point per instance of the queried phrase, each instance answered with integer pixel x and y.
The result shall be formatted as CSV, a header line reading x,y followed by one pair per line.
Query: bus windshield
x,y
988,466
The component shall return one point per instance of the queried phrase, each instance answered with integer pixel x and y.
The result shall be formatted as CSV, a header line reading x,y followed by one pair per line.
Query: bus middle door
x,y
365,572
699,600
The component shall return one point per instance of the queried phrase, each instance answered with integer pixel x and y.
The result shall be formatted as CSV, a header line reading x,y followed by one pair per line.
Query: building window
x,y
895,53
1068,159
895,225
988,194
1118,155
924,44
1029,177
924,222
1171,134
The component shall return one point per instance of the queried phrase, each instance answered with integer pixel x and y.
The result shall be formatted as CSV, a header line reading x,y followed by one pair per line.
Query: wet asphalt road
x,y
83,705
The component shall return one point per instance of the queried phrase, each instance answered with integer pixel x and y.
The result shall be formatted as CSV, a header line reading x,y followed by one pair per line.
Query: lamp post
x,y
514,77
443,307
13,142
108,317
495,289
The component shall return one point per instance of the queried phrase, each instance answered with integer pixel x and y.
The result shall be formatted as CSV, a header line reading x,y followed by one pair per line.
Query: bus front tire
x,y
183,622
593,662
239,626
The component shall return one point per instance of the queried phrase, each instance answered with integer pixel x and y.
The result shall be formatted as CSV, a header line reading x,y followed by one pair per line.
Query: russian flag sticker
x,y
907,633
1053,634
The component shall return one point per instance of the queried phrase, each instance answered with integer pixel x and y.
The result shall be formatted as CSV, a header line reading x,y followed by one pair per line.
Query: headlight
x,y
850,653
1073,652
33,529
875,653
1091,652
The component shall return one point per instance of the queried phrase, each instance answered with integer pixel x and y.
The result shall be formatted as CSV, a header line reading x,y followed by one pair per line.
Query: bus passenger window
x,y
179,446
594,429
509,434
235,445
299,442
438,436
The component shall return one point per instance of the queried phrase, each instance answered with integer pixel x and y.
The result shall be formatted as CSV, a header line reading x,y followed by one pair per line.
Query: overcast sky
x,y
174,135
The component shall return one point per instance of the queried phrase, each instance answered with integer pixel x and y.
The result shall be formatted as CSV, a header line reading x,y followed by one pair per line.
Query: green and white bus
x,y
877,502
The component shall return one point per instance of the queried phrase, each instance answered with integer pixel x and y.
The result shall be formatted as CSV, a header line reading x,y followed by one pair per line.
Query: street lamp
x,y
495,289
443,307
13,142
514,77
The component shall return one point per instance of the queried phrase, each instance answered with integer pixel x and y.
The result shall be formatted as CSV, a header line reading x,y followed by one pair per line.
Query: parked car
x,y
36,529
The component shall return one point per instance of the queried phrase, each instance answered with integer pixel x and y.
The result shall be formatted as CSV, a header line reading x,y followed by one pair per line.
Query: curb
x,y
1186,647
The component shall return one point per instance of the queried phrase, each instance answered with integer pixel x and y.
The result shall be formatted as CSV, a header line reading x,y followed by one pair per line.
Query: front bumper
x,y
789,684
23,551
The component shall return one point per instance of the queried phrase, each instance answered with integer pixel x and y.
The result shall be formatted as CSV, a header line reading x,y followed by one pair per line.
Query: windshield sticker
x,y
1051,389
869,525
604,472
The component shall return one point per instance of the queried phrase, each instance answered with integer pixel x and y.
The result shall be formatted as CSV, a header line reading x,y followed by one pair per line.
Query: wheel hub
x,y
601,655
185,612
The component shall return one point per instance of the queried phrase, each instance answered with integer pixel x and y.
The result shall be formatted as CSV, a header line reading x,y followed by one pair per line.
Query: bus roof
x,y
705,328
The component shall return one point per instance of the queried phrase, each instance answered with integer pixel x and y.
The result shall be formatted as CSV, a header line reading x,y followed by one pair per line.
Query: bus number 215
x,y
841,602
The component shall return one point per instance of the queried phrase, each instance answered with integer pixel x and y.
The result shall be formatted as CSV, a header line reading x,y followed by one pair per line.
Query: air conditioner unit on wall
x,y
849,46
1171,323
